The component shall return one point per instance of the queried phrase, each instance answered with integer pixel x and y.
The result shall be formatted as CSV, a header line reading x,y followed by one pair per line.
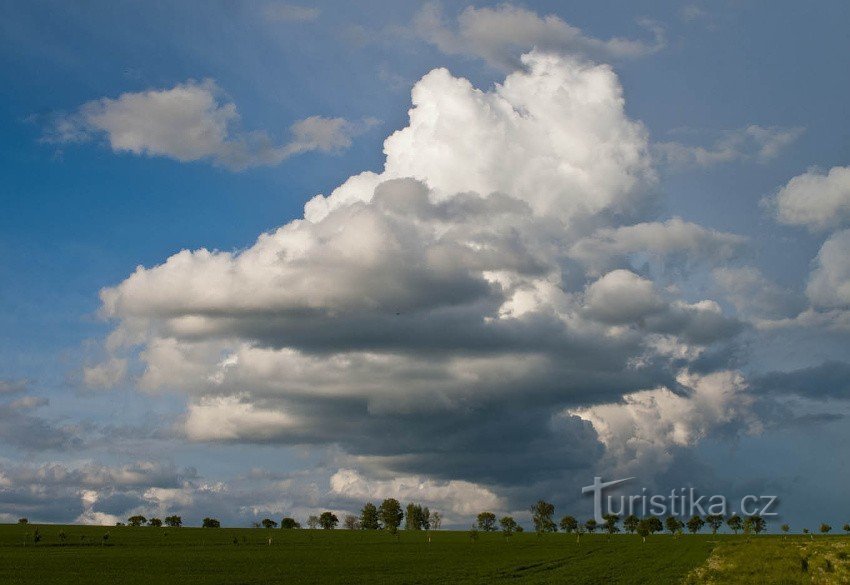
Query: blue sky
x,y
734,114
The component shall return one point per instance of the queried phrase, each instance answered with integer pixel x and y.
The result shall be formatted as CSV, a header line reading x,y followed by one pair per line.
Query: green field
x,y
244,556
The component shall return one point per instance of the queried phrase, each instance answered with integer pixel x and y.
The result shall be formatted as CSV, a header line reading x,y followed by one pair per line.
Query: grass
x,y
796,559
193,555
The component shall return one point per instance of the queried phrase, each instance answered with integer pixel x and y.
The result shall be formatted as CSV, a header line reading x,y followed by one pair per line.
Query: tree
x,y
369,517
672,524
268,523
210,523
289,524
390,515
591,525
785,528
610,525
714,521
757,524
417,517
328,520
630,523
487,522
846,528
569,524
313,522
137,520
735,523
825,528
654,524
644,529
436,520
351,522
508,525
23,521
695,524
155,522
174,521
541,515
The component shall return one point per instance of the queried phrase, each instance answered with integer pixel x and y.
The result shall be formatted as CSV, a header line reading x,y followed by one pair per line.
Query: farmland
x,y
245,556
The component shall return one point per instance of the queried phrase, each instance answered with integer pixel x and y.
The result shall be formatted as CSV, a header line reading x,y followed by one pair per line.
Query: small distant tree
x,y
672,524
436,520
569,524
541,514
643,529
369,517
735,523
313,522
210,523
23,521
715,522
328,520
390,514
825,528
610,524
487,522
654,524
137,520
417,517
174,521
289,523
757,524
695,524
155,522
508,525
268,523
785,528
846,528
630,523
591,525
351,522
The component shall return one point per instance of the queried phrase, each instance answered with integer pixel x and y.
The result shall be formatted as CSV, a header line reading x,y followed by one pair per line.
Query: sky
x,y
265,259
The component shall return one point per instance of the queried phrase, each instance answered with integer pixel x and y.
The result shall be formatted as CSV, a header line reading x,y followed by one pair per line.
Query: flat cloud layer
x,y
490,277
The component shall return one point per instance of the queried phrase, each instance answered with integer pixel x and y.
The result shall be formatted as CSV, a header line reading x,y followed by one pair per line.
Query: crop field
x,y
80,554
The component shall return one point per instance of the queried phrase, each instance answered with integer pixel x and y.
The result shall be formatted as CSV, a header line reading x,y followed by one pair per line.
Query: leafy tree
x,y
174,521
757,524
268,523
541,515
569,524
673,524
351,522
210,523
155,522
591,525
610,525
630,523
137,520
654,524
508,525
328,520
487,522
644,529
695,524
436,520
846,528
417,517
289,524
369,517
825,528
714,521
390,514
785,528
735,523
313,522
23,521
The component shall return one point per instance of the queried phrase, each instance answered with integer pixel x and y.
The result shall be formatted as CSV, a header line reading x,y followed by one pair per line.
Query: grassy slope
x,y
774,559
193,555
